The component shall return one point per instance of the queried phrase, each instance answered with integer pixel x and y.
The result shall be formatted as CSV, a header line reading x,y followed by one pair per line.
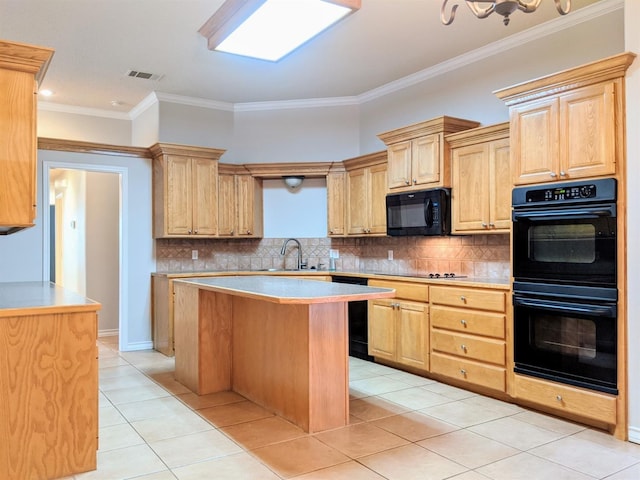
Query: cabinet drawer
x,y
467,346
405,290
468,321
563,398
468,298
477,373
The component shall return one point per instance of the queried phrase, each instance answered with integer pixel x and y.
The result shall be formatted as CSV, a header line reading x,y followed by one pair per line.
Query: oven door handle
x,y
554,215
608,311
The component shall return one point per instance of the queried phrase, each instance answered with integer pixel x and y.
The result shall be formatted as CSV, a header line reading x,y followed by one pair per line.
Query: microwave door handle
x,y
428,213
580,212
588,309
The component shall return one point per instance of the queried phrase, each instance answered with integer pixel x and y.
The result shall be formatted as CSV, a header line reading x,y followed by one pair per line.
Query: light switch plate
x,y
194,254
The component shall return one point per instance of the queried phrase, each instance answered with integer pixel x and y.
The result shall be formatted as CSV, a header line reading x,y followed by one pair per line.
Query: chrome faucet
x,y
284,248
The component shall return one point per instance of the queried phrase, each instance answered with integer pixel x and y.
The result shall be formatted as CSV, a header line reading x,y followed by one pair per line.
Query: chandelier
x,y
502,7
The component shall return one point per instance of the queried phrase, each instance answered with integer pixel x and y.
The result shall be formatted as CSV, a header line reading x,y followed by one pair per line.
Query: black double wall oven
x,y
565,283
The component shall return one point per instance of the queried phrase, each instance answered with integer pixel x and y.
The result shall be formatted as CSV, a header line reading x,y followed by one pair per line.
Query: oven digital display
x,y
561,193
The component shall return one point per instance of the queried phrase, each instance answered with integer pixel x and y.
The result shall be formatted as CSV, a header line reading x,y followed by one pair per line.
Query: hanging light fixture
x,y
502,7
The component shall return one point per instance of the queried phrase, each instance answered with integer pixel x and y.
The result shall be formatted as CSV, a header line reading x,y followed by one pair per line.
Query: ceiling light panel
x,y
280,26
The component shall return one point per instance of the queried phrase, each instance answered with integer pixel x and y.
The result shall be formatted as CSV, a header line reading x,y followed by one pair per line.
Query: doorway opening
x,y
85,237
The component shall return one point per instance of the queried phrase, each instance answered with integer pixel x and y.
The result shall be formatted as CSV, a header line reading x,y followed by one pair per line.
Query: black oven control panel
x,y
572,192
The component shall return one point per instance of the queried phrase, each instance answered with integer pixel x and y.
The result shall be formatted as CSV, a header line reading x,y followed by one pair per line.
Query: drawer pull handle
x,y
559,398
463,322
463,372
463,348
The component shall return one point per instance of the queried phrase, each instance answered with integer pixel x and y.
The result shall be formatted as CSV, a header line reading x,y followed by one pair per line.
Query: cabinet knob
x,y
463,348
407,182
563,173
484,225
553,174
491,224
248,232
463,298
195,231
415,181
463,322
189,232
330,232
463,372
559,398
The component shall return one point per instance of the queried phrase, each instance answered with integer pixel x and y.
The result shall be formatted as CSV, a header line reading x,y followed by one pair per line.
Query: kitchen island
x,y
280,342
48,381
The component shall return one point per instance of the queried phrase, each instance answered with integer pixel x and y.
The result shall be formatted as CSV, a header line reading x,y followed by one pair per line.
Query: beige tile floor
x,y
402,427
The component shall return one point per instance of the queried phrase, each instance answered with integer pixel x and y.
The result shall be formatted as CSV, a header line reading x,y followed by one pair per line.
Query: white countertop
x,y
288,290
29,298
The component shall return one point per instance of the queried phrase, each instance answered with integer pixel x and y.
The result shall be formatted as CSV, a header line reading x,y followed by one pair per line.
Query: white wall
x,y
114,130
73,222
194,125
300,214
102,233
632,43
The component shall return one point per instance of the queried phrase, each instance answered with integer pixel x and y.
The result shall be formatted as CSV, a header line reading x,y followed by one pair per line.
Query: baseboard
x,y
132,347
634,434
108,333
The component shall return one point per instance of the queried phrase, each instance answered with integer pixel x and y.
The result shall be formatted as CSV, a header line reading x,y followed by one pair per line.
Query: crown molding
x,y
194,101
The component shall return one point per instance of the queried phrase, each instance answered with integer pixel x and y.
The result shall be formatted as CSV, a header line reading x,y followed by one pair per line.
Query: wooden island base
x,y
288,357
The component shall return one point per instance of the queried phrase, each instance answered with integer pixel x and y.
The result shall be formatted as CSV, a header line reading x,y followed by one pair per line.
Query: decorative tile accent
x,y
484,256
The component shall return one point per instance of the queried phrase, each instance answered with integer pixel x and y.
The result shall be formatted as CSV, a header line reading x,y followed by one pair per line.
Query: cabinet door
x,y
377,199
205,196
534,140
399,165
413,331
587,132
500,185
336,204
470,188
17,148
226,205
357,201
425,160
382,329
179,195
244,199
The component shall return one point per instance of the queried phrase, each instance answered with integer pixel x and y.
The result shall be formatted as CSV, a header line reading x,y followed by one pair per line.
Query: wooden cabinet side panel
x,y
49,395
17,148
162,301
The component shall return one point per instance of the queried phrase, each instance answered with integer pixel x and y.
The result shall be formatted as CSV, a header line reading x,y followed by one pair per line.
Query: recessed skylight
x,y
278,27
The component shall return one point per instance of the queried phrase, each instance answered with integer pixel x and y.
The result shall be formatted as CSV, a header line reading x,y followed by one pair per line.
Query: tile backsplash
x,y
485,256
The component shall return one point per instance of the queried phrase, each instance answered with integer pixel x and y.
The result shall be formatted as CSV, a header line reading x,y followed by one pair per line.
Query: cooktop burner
x,y
425,275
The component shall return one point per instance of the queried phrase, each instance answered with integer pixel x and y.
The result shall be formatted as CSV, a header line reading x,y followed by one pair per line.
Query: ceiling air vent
x,y
143,75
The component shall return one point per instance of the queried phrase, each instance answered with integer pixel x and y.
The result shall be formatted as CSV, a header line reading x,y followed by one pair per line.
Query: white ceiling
x,y
98,41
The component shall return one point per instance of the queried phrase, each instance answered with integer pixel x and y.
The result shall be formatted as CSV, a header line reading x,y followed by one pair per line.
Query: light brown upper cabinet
x,y
569,125
366,194
336,201
481,180
185,191
240,203
22,68
418,156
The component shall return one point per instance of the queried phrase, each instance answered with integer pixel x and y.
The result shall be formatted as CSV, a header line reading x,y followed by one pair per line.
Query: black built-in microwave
x,y
421,213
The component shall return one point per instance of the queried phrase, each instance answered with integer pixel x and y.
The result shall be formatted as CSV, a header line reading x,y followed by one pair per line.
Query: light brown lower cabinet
x,y
399,327
566,400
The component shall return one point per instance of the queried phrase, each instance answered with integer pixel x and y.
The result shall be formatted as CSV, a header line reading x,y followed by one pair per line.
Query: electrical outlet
x,y
334,253
194,254
390,255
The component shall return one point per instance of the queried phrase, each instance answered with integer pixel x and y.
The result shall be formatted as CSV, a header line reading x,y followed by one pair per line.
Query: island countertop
x,y
288,290
27,298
